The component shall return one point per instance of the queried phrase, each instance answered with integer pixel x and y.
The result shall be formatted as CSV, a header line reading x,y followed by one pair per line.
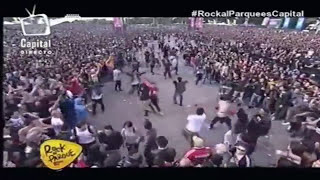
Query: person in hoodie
x,y
259,126
242,122
81,110
67,107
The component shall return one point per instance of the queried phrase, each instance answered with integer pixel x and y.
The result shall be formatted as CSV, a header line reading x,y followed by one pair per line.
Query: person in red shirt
x,y
79,163
198,155
154,95
75,87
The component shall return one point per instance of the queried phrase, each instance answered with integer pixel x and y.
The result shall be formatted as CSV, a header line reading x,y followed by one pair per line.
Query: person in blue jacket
x,y
67,107
81,110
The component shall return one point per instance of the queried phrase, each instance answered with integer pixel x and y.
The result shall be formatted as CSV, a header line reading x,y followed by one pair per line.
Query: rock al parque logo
x,y
34,28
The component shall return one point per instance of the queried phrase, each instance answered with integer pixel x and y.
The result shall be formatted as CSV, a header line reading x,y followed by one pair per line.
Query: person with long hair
x,y
131,136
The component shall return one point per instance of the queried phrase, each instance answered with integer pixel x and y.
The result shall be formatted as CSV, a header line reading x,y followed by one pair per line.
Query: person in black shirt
x,y
258,94
111,138
111,141
242,121
238,87
167,68
208,72
152,64
282,104
150,145
180,88
147,58
135,65
312,137
165,155
259,125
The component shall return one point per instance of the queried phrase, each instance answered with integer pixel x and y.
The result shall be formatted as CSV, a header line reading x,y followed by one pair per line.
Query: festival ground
x,y
121,107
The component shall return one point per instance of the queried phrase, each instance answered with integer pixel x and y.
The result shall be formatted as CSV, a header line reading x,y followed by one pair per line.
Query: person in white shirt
x,y
194,125
85,135
97,98
223,111
174,63
117,78
56,121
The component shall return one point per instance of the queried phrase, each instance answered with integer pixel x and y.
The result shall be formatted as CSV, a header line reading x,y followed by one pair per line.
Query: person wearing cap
x,y
198,155
238,156
194,125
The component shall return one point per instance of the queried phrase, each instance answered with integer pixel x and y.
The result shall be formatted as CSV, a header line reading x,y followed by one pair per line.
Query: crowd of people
x,y
52,96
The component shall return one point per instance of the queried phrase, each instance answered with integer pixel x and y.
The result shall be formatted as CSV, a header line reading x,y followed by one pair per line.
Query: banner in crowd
x,y
274,23
286,23
265,21
192,22
300,23
117,22
199,23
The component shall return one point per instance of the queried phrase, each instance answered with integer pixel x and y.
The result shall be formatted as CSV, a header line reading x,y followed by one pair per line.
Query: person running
x,y
223,112
154,96
174,62
199,74
194,125
144,93
135,65
135,81
180,88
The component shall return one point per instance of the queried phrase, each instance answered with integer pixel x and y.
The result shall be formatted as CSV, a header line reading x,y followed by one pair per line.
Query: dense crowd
x,y
52,96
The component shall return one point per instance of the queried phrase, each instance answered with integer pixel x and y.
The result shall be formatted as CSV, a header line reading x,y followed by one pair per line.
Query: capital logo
x,y
35,24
